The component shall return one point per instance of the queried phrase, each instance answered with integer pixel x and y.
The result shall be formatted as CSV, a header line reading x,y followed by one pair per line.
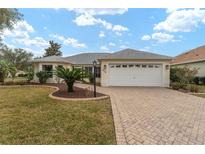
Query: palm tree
x,y
53,49
69,76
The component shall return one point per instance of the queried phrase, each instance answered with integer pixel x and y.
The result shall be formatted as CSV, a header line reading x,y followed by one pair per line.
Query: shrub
x,y
22,75
69,76
202,80
29,75
42,76
182,74
194,88
175,85
91,78
178,85
196,80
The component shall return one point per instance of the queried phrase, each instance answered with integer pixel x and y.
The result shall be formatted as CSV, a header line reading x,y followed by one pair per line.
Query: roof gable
x,y
51,59
85,58
193,55
135,54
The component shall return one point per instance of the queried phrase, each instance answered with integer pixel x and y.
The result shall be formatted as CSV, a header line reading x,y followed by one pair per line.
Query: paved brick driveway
x,y
156,116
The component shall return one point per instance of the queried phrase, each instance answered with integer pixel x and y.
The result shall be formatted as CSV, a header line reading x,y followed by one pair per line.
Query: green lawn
x,y
29,116
202,88
15,79
200,95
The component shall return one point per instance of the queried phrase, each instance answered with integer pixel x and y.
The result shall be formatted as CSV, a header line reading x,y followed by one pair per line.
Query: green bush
x,y
182,74
22,75
91,78
196,80
194,88
202,80
42,76
29,75
178,85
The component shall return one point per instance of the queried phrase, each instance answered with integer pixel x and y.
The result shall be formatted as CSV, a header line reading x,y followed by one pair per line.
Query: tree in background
x,y
4,70
20,58
12,70
8,17
53,49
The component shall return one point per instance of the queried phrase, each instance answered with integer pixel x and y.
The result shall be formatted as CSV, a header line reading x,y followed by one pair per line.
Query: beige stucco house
x,y
123,68
194,58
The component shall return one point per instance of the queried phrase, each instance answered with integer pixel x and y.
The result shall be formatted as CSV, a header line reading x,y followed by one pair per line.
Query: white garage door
x,y
135,75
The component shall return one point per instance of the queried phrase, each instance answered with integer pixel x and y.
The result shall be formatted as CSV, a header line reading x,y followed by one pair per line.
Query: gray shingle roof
x,y
51,59
85,58
135,54
88,58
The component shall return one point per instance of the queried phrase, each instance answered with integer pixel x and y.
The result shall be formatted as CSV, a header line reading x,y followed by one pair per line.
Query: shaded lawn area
x,y
29,116
202,88
200,95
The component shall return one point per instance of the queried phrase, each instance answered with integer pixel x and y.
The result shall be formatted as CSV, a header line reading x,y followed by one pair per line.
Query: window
x,y
118,66
144,66
124,66
98,72
131,65
150,66
48,69
112,66
89,69
156,66
60,66
137,65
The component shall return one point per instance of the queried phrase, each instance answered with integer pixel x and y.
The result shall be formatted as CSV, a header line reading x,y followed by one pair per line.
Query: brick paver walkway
x,y
156,116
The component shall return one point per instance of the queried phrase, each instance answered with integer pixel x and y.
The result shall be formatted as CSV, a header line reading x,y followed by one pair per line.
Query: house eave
x,y
187,62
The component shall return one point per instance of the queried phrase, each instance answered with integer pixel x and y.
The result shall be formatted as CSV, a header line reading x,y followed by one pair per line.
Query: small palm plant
x,y
70,76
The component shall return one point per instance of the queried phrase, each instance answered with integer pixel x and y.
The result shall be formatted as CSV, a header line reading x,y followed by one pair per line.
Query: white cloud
x,y
85,20
36,41
20,30
118,33
170,10
101,34
119,28
38,52
185,20
59,37
68,41
146,38
100,11
112,44
123,47
45,28
162,37
104,48
21,34
74,43
87,17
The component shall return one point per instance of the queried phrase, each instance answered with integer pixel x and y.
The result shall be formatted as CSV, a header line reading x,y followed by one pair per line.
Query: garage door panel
x,y
135,76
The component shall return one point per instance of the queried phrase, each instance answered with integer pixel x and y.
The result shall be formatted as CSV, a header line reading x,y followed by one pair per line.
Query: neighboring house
x,y
194,58
123,68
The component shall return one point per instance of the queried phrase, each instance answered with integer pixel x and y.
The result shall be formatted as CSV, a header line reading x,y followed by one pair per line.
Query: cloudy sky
x,y
164,31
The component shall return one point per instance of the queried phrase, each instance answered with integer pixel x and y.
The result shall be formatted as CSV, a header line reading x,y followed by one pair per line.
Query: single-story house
x,y
127,67
194,58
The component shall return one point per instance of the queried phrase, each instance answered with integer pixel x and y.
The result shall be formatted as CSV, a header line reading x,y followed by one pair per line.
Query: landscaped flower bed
x,y
77,93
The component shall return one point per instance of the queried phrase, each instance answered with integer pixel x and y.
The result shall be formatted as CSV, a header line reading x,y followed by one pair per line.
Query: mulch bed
x,y
78,92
